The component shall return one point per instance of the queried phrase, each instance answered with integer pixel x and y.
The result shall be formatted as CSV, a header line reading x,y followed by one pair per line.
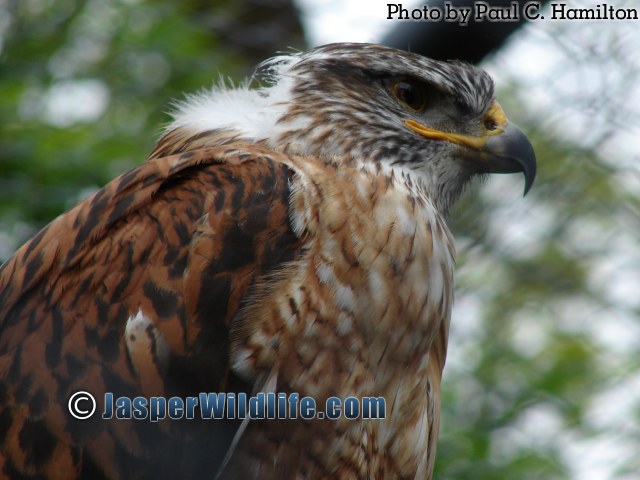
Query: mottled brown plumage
x,y
300,248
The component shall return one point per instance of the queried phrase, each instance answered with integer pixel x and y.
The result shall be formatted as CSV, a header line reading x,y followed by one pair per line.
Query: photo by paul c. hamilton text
x,y
482,11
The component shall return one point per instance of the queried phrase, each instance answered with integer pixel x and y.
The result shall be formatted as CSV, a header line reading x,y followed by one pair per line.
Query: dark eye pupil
x,y
490,124
408,93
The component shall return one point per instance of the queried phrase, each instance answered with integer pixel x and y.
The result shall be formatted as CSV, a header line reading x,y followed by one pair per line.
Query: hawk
x,y
286,238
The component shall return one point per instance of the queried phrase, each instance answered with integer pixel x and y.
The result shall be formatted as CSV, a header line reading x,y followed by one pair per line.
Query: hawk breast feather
x,y
213,246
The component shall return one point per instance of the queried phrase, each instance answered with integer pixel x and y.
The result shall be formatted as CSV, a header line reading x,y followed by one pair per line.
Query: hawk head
x,y
383,108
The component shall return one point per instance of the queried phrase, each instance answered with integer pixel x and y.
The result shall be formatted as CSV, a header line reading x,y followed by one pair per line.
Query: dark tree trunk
x,y
448,40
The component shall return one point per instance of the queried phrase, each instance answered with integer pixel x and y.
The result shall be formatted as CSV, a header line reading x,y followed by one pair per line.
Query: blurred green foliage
x,y
529,364
131,59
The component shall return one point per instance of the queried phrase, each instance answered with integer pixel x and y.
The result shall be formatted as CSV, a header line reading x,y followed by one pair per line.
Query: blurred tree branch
x,y
449,40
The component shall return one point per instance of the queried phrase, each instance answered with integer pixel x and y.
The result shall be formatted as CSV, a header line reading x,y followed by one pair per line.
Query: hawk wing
x,y
133,292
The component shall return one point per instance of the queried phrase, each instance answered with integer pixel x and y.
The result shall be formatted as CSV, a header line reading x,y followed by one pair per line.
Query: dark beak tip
x,y
528,183
528,164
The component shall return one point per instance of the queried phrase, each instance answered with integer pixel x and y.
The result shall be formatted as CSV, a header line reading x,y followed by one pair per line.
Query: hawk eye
x,y
490,124
410,93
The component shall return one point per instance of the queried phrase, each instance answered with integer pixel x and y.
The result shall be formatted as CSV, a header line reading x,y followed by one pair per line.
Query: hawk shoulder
x,y
133,291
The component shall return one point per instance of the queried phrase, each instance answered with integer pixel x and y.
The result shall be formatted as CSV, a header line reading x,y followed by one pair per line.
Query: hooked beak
x,y
510,152
504,149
